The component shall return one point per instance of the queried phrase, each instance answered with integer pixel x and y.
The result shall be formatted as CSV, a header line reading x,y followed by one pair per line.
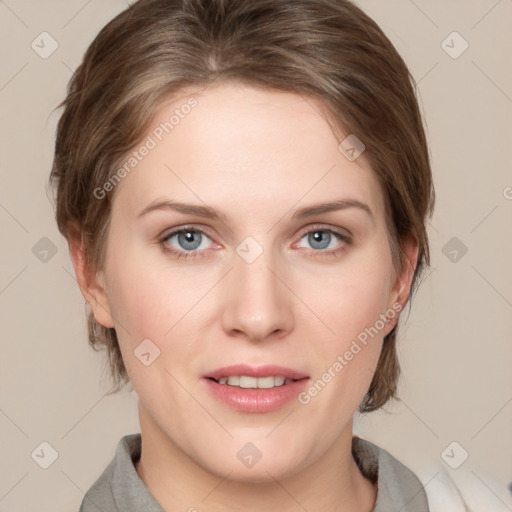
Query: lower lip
x,y
256,400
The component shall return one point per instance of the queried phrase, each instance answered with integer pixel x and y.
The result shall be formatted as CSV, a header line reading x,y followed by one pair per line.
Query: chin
x,y
258,475
250,465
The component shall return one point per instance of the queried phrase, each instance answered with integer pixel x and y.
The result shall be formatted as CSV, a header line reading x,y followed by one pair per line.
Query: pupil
x,y
319,239
186,240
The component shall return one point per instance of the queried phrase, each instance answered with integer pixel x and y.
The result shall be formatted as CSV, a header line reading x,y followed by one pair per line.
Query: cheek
x,y
142,302
351,304
354,298
136,303
145,294
152,300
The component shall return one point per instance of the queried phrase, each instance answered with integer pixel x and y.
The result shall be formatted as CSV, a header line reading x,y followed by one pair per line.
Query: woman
x,y
245,186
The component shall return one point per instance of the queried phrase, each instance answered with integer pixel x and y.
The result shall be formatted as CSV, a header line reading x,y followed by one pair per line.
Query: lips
x,y
244,396
255,371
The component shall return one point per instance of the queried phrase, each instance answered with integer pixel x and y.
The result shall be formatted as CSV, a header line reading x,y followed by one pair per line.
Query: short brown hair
x,y
324,49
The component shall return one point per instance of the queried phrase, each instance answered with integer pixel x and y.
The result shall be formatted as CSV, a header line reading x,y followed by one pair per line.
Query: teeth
x,y
269,382
233,381
244,381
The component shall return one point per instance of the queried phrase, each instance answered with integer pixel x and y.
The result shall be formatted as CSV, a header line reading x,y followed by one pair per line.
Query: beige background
x,y
455,346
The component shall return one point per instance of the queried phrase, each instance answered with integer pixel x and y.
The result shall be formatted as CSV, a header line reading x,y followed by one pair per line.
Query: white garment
x,y
462,491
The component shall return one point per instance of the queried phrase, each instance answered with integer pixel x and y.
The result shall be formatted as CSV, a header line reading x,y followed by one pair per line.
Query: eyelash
x,y
204,253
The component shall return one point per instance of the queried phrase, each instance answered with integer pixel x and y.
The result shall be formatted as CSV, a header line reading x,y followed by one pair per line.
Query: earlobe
x,y
92,285
402,286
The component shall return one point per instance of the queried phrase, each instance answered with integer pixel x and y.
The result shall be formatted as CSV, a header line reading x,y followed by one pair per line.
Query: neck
x,y
177,482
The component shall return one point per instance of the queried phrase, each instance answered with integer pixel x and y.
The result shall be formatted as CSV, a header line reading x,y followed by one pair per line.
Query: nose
x,y
258,303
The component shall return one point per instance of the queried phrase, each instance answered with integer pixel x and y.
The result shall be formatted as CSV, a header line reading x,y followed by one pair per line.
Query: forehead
x,y
244,146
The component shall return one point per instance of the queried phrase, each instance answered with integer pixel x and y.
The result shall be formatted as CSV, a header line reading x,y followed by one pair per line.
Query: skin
x,y
257,156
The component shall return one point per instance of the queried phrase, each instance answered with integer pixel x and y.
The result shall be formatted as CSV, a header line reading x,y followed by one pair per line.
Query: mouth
x,y
247,382
255,389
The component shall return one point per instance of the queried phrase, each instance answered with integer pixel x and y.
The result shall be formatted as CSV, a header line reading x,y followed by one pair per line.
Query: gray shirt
x,y
120,489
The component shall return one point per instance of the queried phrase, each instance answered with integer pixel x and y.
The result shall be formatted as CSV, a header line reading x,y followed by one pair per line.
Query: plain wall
x,y
455,346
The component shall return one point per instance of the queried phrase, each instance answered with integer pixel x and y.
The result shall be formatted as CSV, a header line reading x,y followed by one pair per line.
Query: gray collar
x,y
399,489
120,489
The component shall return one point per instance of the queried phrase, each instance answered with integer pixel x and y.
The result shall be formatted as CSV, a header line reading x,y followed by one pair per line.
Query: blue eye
x,y
188,240
319,239
322,239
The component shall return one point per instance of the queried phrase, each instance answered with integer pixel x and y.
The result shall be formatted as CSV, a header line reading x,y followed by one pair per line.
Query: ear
x,y
92,285
402,285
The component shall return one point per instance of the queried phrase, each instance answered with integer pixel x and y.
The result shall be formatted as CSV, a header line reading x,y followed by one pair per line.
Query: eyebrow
x,y
191,209
340,204
213,213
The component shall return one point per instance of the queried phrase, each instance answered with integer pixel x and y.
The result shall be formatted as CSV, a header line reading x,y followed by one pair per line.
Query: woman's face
x,y
274,279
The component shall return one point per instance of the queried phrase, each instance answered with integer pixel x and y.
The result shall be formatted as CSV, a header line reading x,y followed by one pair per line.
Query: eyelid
x,y
177,229
307,229
163,242
344,237
343,233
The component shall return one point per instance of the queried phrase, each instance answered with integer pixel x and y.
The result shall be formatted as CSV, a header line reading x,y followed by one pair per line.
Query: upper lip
x,y
267,370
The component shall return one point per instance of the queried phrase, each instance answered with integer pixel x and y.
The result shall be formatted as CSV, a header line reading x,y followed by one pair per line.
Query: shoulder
x,y
442,490
467,489
99,496
399,488
119,487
